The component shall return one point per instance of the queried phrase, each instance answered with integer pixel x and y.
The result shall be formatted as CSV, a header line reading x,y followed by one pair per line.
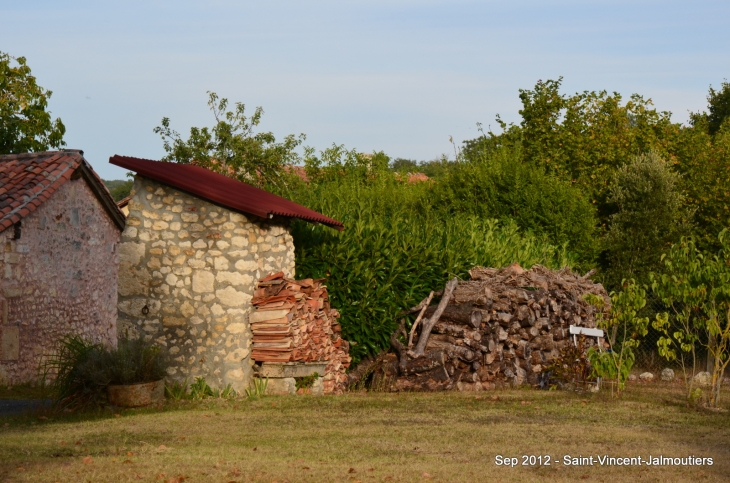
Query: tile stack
x,y
293,322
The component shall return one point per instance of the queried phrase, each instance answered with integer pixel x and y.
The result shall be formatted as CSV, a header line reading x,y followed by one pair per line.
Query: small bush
x,y
83,369
134,361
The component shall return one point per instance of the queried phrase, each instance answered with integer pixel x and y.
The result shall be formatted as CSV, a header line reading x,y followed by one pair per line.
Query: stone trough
x,y
281,376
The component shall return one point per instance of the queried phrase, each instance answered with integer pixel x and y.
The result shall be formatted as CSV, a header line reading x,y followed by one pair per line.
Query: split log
x,y
456,331
502,327
427,363
465,314
454,351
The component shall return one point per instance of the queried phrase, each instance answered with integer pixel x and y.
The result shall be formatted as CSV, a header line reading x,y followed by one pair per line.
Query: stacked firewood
x,y
293,322
501,328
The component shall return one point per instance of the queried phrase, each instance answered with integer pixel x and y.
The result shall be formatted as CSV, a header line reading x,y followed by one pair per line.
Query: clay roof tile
x,y
29,179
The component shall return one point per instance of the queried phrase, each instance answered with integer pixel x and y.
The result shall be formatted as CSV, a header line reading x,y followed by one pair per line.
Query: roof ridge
x,y
222,190
30,179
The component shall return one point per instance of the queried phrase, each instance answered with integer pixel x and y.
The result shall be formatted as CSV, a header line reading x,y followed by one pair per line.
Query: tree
x,y
231,147
695,287
624,330
119,188
582,138
25,124
650,215
718,107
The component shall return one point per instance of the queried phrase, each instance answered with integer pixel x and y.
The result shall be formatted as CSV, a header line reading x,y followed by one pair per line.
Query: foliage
x,y
392,253
584,137
83,369
718,107
493,183
118,188
704,163
25,123
434,169
589,138
306,382
571,367
625,330
198,390
695,286
612,366
258,387
177,390
133,361
231,147
650,215
73,385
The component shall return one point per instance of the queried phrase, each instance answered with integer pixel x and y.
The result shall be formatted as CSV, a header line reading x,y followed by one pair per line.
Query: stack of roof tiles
x,y
293,322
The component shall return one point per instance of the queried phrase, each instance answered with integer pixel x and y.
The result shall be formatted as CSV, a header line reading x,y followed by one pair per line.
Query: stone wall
x,y
58,278
187,274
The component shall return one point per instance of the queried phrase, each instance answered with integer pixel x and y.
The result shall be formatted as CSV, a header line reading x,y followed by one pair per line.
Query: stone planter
x,y
136,395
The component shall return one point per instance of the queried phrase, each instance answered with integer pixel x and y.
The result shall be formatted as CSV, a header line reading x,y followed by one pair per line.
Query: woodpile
x,y
501,328
293,322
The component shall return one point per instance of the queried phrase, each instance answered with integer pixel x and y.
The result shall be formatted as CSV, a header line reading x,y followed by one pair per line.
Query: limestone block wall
x,y
186,279
58,277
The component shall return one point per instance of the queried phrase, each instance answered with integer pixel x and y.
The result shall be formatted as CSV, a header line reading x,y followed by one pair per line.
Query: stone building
x,y
194,246
60,230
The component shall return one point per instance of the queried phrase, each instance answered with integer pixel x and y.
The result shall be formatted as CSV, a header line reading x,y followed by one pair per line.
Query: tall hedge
x,y
392,253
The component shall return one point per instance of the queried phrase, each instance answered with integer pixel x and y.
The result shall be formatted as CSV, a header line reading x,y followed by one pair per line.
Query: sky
x,y
397,76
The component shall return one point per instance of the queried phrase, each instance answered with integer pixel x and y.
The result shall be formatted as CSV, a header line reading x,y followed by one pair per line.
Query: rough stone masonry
x,y
58,277
187,275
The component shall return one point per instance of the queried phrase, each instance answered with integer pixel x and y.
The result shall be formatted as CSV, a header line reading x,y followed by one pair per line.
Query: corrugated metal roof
x,y
221,190
29,179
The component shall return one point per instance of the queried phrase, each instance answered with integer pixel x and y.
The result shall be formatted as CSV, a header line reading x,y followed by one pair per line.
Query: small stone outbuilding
x,y
194,246
59,233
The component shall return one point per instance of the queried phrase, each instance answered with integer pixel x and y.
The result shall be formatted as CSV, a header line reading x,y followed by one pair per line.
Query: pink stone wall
x,y
58,278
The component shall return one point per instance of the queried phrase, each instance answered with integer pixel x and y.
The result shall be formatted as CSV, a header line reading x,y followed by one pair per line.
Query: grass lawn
x,y
372,437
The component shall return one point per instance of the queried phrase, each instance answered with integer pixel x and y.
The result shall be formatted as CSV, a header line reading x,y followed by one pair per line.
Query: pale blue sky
x,y
398,76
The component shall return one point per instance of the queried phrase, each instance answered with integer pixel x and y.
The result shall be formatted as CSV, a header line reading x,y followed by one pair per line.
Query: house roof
x,y
29,179
222,190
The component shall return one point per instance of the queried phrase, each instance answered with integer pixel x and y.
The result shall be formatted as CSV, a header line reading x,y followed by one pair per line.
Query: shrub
x,y
392,253
650,215
83,369
497,184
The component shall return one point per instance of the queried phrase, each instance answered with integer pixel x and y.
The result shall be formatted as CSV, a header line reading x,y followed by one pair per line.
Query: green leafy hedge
x,y
391,254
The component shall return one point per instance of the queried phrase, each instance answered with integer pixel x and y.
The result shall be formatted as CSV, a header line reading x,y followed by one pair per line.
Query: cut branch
x,y
418,319
428,325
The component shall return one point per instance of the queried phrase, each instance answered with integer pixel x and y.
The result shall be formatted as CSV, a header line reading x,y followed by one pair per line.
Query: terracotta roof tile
x,y
29,179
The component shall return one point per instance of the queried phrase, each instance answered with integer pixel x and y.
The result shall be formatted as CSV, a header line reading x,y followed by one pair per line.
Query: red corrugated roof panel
x,y
221,190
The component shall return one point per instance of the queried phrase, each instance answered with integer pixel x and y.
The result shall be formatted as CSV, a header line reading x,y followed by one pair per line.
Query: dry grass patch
x,y
372,437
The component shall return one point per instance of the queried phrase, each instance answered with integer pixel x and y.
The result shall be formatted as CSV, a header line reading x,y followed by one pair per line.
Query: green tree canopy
x,y
231,147
25,124
650,215
718,109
